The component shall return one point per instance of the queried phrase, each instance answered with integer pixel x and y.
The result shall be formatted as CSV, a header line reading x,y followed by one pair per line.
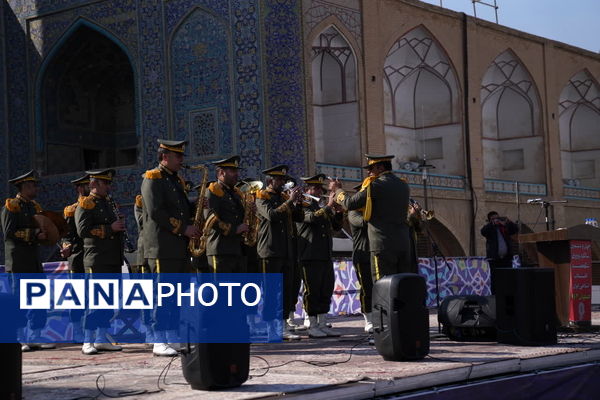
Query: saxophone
x,y
249,190
197,246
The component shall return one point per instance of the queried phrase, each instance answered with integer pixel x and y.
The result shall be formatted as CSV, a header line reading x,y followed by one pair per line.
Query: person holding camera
x,y
498,245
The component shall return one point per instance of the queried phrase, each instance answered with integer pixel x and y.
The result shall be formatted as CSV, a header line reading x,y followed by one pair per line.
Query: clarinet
x,y
128,246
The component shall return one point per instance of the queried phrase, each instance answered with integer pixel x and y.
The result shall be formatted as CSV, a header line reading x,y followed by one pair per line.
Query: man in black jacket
x,y
498,245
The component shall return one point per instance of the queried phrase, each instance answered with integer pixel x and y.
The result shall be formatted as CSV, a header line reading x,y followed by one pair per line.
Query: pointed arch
x,y
126,145
511,129
579,128
335,107
422,107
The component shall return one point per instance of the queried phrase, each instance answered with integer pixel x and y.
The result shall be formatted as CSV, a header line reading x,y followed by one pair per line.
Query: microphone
x,y
534,201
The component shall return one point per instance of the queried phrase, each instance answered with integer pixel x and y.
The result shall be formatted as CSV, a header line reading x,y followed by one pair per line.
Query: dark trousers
x,y
389,263
36,319
166,317
227,264
280,300
496,263
363,272
319,281
94,319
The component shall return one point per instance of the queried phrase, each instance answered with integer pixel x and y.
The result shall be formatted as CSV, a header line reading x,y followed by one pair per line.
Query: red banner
x,y
580,299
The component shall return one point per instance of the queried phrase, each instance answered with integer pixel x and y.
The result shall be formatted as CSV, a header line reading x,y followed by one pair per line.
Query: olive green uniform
x,y
225,215
387,229
20,241
102,247
315,241
276,233
361,258
74,240
165,216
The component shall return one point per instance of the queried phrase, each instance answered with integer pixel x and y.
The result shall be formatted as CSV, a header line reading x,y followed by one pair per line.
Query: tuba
x,y
197,246
249,190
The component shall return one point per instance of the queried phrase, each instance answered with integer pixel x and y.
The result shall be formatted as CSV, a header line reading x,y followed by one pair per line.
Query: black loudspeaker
x,y
468,318
214,366
400,317
525,310
10,379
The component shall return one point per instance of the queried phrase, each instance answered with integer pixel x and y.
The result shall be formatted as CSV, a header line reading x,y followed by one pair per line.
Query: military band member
x,y
384,198
361,258
225,224
167,227
101,231
21,243
277,212
315,242
72,246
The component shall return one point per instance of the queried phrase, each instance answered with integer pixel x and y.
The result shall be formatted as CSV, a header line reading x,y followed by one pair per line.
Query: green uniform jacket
x,y
101,245
20,242
225,214
138,212
73,239
315,233
166,215
276,214
387,227
360,237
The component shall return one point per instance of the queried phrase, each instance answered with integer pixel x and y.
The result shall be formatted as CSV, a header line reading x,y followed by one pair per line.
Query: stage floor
x,y
64,373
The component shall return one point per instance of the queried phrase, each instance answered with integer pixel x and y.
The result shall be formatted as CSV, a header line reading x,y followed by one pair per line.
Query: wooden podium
x,y
569,253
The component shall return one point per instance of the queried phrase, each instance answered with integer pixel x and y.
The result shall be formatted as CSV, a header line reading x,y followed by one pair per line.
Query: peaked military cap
x,y
27,177
104,174
231,162
84,180
176,146
278,170
318,179
372,160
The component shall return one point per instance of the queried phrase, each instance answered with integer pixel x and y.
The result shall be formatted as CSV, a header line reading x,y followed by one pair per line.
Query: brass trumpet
x,y
425,214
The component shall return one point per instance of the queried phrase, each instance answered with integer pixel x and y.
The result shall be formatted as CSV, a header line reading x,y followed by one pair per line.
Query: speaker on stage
x,y
468,318
214,366
400,317
525,310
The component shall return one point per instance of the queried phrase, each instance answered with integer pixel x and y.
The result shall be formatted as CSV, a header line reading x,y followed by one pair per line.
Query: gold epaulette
x,y
404,180
263,194
13,205
153,174
216,189
87,202
138,201
38,208
70,210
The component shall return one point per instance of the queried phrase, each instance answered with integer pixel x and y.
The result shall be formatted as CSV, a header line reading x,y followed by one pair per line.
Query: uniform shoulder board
x,y
404,180
70,210
87,202
216,189
138,201
38,208
263,194
13,205
153,174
